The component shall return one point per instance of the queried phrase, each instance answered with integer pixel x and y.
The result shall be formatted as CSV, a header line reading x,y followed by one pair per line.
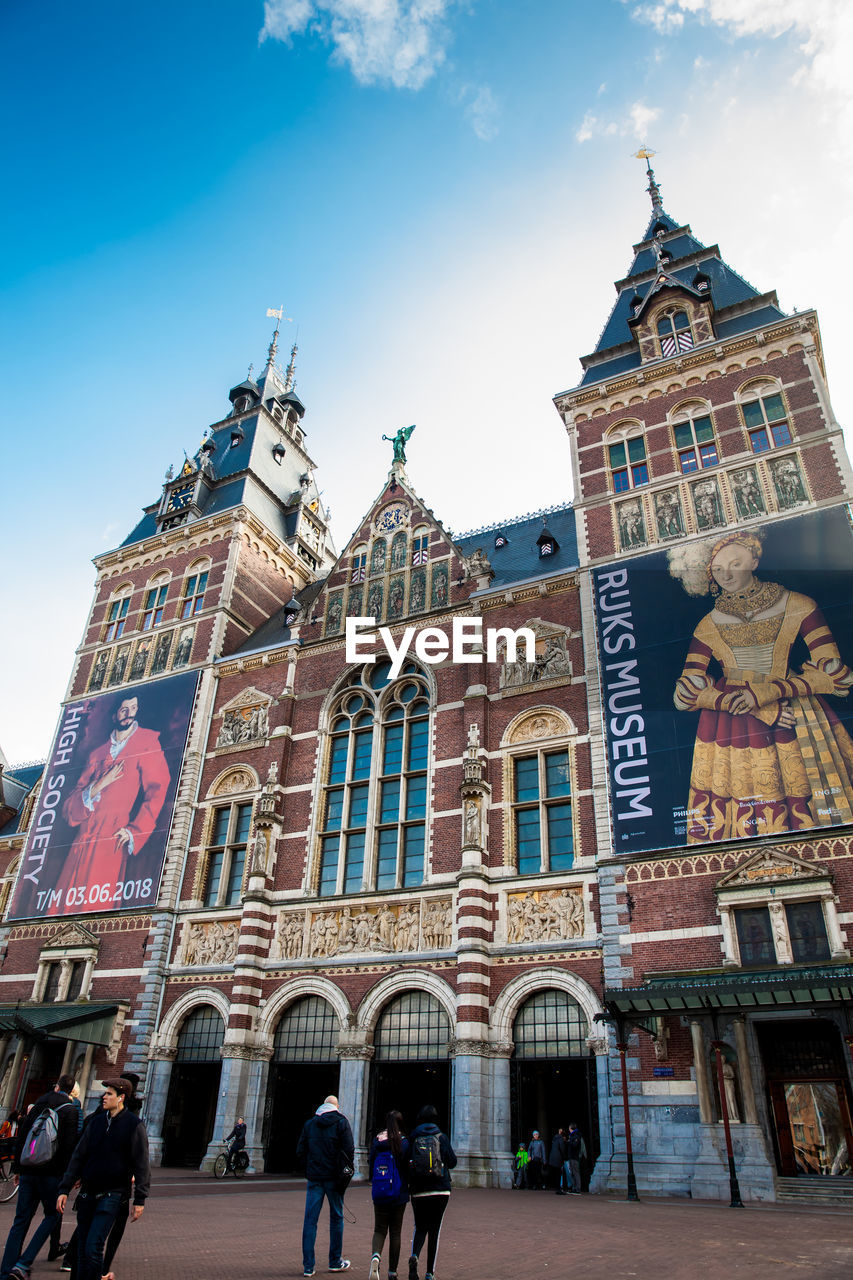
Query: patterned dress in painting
x,y
754,774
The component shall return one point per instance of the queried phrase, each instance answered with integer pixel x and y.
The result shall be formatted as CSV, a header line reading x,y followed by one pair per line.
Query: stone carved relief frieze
x,y
541,725
551,662
236,780
391,928
539,915
211,942
244,720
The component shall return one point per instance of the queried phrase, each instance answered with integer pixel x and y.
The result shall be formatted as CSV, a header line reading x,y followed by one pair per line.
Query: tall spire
x,y
291,369
645,153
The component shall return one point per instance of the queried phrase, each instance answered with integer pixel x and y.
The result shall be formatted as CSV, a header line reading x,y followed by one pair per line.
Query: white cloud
x,y
633,123
396,42
482,110
663,17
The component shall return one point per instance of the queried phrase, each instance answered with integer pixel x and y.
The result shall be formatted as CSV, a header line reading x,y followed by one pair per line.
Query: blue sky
x,y
441,195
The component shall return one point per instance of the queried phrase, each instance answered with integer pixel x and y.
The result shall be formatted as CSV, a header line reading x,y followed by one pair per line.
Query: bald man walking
x,y
325,1145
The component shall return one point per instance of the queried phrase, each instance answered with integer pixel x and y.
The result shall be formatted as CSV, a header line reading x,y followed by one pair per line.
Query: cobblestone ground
x,y
194,1226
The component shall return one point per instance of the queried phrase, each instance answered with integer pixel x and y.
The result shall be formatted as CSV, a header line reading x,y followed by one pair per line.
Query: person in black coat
x,y
237,1138
39,1185
111,1163
325,1144
430,1192
388,1212
557,1158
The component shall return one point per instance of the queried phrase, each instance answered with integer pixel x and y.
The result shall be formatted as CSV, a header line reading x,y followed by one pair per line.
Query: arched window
x,y
693,432
307,1032
195,587
420,546
117,612
626,455
154,601
374,799
226,854
359,564
200,1037
412,1028
674,332
765,418
550,1025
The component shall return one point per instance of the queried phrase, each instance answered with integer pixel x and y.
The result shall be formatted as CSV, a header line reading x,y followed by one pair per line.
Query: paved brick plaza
x,y
197,1227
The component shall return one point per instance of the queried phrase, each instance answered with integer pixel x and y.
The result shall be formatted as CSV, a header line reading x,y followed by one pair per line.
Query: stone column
x,y
14,1075
67,1057
747,1087
481,1119
234,1083
703,1079
156,1092
352,1094
85,1075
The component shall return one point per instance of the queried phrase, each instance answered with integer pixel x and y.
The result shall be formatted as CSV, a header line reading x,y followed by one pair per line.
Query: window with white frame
x,y
543,829
154,602
117,614
626,457
777,910
195,587
695,442
674,332
375,787
359,565
226,854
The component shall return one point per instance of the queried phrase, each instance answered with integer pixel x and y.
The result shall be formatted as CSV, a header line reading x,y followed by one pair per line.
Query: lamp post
x,y
629,1150
736,1202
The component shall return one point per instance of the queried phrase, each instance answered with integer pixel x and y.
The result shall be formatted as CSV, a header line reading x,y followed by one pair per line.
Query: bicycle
x,y
239,1164
8,1181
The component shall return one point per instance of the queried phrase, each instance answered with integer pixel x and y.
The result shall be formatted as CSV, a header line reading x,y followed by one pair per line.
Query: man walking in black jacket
x,y
112,1151
39,1184
325,1143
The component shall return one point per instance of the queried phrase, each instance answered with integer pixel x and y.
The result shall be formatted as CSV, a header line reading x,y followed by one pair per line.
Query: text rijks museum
x,y
608,873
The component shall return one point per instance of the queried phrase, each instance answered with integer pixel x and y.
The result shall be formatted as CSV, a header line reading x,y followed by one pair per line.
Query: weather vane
x,y
646,153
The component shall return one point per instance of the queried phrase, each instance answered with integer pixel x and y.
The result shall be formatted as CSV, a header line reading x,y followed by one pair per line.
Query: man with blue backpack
x,y
46,1138
388,1161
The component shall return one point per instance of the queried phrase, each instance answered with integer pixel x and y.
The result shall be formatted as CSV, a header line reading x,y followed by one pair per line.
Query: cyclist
x,y
237,1139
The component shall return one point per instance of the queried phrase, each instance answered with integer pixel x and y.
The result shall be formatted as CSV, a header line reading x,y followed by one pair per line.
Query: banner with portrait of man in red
x,y
97,840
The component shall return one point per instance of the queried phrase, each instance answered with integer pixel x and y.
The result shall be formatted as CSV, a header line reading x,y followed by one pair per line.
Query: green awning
x,y
90,1023
782,988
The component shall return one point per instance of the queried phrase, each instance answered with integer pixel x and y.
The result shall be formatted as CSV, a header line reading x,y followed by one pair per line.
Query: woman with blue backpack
x,y
389,1158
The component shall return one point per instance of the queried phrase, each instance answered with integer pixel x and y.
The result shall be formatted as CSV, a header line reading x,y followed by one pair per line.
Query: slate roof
x,y
617,351
274,631
519,559
15,785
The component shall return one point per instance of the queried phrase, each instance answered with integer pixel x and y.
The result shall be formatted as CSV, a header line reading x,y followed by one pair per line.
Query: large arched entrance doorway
x,y
411,1064
193,1088
304,1070
553,1073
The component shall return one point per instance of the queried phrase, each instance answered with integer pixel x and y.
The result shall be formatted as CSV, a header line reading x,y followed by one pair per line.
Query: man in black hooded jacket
x,y
325,1144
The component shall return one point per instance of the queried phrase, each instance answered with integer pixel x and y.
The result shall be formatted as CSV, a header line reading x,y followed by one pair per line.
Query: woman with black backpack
x,y
389,1153
431,1158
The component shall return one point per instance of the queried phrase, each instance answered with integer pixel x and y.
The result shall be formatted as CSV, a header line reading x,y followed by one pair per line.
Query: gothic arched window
x,y
374,800
674,333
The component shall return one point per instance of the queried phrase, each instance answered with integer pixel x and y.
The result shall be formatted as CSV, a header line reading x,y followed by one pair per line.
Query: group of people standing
x,y
55,1150
560,1171
402,1169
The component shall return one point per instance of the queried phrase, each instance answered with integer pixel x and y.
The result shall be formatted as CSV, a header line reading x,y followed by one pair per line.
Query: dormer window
x,y
241,404
501,541
701,283
546,549
237,437
278,413
674,333
547,544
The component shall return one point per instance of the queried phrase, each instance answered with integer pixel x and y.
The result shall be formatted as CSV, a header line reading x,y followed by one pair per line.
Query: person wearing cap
x,y
111,1155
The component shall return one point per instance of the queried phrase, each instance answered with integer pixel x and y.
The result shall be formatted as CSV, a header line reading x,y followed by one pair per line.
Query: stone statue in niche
x,y
708,505
99,671
731,1092
333,615
258,865
472,823
551,662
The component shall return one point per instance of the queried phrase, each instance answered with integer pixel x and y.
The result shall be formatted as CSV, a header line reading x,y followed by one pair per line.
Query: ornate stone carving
x,y
364,1052
668,514
472,823
245,719
632,525
260,851
247,1052
212,942
540,725
770,866
749,500
291,929
597,1045
437,924
551,662
788,482
708,504
545,915
390,929
236,780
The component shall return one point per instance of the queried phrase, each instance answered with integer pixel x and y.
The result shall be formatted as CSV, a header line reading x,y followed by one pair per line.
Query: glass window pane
x,y
708,453
781,434
560,842
688,462
683,435
354,865
408,692
214,871
664,326
754,936
363,744
380,675
774,408
396,713
752,414
760,441
416,797
334,809
329,864
386,862
244,820
413,855
620,481
558,780
527,778
550,1025
220,826
418,743
235,876
528,840
636,449
704,430
389,804
393,759
680,320
412,1028
308,1032
353,704
618,456
640,473
807,930
358,806
338,760
200,1038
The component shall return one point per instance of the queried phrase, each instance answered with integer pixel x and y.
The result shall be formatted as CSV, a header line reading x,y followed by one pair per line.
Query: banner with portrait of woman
x,y
726,681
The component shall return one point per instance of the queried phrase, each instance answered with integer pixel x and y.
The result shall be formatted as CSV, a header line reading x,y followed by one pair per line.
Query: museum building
x,y
603,842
